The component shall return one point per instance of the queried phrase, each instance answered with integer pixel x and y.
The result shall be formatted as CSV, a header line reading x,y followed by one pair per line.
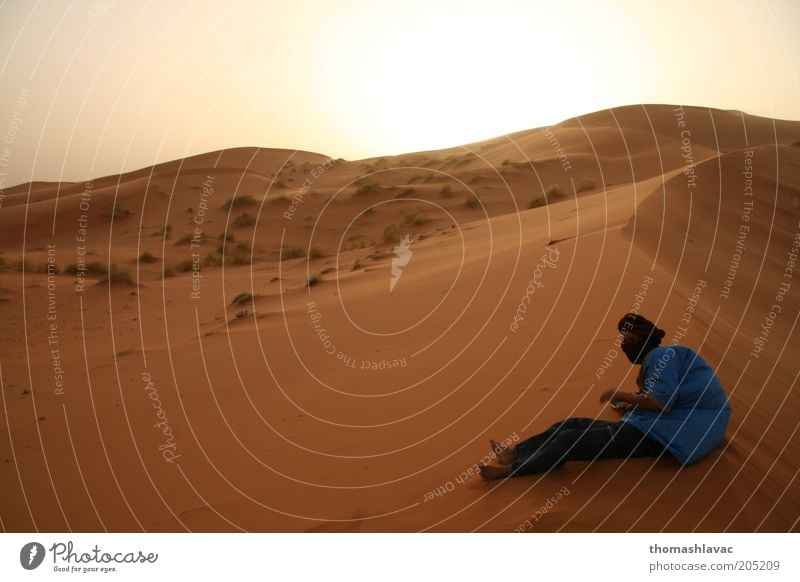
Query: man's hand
x,y
607,395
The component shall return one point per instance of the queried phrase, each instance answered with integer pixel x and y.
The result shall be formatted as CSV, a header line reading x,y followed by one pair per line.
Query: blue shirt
x,y
683,382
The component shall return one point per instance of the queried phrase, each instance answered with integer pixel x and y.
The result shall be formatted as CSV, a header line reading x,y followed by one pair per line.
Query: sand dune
x,y
239,391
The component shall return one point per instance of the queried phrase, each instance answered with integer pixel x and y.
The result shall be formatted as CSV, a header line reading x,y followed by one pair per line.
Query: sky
x,y
97,87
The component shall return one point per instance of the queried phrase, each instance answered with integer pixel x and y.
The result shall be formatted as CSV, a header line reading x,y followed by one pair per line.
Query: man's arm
x,y
641,399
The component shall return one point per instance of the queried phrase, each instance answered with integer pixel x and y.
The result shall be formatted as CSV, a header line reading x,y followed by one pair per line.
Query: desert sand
x,y
266,367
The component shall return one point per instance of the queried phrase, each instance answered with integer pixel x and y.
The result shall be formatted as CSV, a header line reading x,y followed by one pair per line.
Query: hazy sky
x,y
93,87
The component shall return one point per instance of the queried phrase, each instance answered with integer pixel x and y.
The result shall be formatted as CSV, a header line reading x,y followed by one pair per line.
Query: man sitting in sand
x,y
680,408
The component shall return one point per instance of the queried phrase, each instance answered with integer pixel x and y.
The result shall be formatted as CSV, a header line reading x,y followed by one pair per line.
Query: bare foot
x,y
505,456
492,472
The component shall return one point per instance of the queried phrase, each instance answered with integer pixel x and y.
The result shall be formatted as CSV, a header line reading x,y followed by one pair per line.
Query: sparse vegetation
x,y
313,280
165,231
367,187
117,213
473,201
33,267
405,192
239,201
391,234
356,265
213,260
446,191
244,219
554,192
117,276
316,252
168,272
288,253
185,239
185,266
95,268
242,299
147,257
226,236
412,217
585,184
538,201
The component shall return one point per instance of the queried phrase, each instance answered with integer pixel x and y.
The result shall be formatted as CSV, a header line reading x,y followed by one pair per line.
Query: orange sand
x,y
270,432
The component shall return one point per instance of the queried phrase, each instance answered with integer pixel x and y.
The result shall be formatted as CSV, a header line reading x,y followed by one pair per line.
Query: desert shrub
x,y
526,165
585,184
168,272
391,234
405,192
242,299
118,276
292,253
147,257
412,217
367,187
446,191
185,266
538,201
213,260
279,183
473,201
244,219
239,201
313,280
554,192
95,268
238,258
316,252
185,238
117,213
165,231
226,236
356,265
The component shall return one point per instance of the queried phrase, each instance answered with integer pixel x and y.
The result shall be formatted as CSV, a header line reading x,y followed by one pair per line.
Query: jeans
x,y
581,439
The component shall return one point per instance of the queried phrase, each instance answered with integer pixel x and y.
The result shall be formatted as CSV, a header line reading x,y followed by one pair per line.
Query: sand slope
x,y
344,406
